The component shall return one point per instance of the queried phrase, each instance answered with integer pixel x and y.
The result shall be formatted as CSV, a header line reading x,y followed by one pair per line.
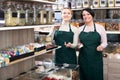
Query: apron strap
x,y
94,28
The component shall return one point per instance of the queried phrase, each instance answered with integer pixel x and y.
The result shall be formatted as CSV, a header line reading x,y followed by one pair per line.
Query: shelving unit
x,y
24,27
20,35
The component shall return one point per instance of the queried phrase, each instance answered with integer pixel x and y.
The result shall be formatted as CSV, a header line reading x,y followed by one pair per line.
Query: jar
x,y
36,19
67,4
50,15
79,4
86,3
28,14
43,16
21,14
96,3
111,3
11,15
103,3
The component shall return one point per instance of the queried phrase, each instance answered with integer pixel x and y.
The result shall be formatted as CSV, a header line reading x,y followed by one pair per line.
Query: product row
x,y
10,54
24,13
77,4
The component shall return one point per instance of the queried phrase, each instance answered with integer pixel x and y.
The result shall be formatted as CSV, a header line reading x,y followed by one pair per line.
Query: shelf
x,y
41,53
41,1
113,32
24,27
100,8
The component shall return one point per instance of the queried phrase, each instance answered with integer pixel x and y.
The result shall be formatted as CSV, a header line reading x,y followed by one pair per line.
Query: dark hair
x,y
88,10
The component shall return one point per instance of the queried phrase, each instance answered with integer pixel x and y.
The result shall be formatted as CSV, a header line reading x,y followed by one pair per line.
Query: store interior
x,y
26,52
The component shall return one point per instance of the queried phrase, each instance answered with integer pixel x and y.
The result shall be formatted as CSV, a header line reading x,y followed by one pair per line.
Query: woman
x,y
66,36
94,40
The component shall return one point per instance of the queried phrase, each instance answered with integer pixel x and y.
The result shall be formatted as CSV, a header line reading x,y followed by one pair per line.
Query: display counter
x,y
55,72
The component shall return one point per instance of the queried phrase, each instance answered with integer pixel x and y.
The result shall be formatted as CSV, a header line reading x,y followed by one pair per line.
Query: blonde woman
x,y
65,36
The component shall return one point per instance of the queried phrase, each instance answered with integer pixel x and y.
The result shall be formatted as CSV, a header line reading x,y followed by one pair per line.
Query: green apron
x,y
90,60
64,55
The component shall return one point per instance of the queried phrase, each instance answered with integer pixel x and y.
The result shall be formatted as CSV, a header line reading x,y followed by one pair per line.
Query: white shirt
x,y
65,27
100,29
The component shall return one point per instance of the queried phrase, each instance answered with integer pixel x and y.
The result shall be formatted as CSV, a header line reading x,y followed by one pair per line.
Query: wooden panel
x,y
114,68
114,77
14,70
16,37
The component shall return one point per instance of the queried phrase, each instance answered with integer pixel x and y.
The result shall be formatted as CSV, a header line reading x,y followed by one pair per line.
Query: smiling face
x,y
87,17
66,15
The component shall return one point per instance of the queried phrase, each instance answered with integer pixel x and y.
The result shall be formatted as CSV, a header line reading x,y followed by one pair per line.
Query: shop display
x,y
58,72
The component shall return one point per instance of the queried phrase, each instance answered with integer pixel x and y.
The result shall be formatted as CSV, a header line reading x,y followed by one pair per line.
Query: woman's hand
x,y
99,48
68,45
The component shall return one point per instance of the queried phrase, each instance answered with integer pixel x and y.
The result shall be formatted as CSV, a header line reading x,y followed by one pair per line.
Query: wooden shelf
x,y
41,53
100,8
23,27
41,1
113,32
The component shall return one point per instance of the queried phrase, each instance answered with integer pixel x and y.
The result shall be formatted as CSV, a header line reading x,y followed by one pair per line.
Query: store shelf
x,y
41,53
41,1
24,27
100,8
113,32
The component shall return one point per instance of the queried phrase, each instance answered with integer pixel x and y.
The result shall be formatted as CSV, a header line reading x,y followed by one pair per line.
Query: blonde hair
x,y
68,9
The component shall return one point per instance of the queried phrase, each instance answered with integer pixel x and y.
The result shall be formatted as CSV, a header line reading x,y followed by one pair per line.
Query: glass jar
x,y
36,15
79,4
50,15
28,14
11,15
43,16
21,14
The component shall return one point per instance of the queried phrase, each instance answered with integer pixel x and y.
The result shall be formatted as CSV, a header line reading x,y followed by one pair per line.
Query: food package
x,y
112,26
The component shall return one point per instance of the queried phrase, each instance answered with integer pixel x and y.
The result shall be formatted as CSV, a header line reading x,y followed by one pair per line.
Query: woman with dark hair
x,y
94,40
